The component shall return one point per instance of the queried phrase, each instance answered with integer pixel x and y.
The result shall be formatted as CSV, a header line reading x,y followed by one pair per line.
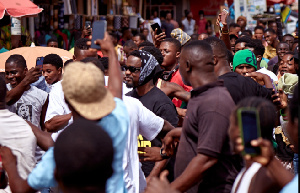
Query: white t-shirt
x,y
30,105
269,73
157,20
188,28
16,134
146,123
57,105
125,89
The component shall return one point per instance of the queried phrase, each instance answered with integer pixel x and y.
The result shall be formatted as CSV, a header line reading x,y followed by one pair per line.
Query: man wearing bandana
x,y
142,69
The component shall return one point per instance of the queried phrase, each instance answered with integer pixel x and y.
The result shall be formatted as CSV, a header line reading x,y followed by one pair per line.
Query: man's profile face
x,y
53,44
132,78
51,73
168,50
14,74
243,69
182,69
289,40
239,46
270,37
137,40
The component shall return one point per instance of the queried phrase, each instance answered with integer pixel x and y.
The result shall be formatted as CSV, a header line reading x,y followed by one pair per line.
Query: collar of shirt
x,y
197,91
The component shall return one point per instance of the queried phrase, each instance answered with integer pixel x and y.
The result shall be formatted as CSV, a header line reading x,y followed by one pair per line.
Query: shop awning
x,y
18,8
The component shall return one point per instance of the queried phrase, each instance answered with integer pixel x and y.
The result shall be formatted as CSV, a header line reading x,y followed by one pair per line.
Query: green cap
x,y
244,57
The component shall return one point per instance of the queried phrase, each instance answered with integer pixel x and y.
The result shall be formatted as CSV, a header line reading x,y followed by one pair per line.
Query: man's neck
x,y
258,65
144,89
223,68
203,79
170,68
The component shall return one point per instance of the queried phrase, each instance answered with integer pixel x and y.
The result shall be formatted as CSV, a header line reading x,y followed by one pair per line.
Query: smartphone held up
x,y
249,125
99,29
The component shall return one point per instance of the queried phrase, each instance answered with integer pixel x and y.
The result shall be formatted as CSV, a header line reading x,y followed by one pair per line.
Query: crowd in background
x,y
154,112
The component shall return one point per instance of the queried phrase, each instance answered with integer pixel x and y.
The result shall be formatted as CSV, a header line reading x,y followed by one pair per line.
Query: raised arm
x,y
44,139
115,79
224,32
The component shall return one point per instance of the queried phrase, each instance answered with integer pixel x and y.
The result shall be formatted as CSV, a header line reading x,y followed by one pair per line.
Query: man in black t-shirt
x,y
238,86
141,68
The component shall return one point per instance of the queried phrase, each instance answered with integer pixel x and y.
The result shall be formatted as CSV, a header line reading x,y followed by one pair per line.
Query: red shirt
x,y
176,78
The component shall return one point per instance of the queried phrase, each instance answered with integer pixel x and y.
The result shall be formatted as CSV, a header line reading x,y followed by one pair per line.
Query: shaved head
x,y
196,63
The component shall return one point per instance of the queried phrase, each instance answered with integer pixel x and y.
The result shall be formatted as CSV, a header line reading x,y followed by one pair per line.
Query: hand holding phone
x,y
223,18
249,125
39,61
156,26
99,29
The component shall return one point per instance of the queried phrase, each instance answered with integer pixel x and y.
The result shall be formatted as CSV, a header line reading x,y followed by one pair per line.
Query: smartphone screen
x,y
250,130
39,61
88,24
99,29
156,26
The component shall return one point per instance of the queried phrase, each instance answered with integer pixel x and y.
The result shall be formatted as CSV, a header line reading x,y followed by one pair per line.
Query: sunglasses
x,y
131,68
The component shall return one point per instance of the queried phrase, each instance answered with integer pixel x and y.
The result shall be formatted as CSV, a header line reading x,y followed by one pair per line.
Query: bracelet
x,y
225,32
163,155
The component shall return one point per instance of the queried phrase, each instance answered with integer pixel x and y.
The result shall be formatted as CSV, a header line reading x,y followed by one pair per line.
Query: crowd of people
x,y
159,116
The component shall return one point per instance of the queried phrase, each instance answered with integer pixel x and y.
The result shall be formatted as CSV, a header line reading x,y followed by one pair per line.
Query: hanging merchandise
x,y
125,21
15,26
78,22
133,21
117,21
61,16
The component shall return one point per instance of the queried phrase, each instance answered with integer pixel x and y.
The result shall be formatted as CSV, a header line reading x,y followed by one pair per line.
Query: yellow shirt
x,y
270,52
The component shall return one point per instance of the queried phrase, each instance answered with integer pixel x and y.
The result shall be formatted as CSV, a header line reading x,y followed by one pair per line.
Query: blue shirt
x,y
291,187
116,125
41,84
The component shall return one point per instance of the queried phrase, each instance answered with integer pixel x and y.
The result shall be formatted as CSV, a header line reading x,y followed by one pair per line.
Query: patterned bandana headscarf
x,y
180,35
149,69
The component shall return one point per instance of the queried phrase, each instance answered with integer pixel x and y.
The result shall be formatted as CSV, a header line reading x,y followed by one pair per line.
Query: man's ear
x,y
215,60
259,58
177,55
25,71
59,70
188,66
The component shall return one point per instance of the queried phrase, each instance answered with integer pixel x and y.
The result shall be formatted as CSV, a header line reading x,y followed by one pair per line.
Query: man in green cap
x,y
244,61
245,64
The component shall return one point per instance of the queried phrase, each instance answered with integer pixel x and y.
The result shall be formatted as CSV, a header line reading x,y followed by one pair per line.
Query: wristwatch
x,y
163,155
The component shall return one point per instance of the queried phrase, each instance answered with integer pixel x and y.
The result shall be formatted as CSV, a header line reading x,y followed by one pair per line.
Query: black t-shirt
x,y
161,105
205,131
241,87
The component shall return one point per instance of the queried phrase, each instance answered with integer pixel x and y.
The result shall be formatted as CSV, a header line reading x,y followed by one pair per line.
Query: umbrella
x,y
18,8
31,53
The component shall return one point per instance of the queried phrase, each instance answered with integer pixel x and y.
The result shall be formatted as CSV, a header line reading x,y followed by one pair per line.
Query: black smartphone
x,y
249,125
99,29
39,61
156,26
88,24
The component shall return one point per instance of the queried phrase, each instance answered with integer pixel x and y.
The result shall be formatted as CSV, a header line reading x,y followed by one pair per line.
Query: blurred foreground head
x,y
83,155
